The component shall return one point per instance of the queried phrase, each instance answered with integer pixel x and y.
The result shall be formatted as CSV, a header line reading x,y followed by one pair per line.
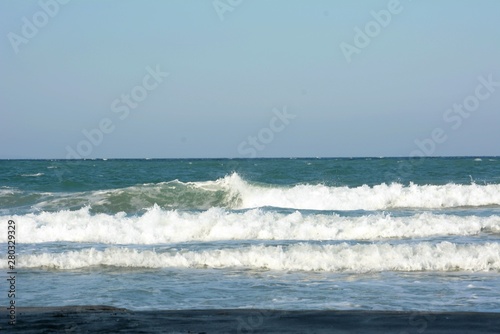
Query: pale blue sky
x,y
227,75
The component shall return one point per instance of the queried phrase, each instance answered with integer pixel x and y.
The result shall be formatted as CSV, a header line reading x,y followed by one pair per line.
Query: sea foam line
x,y
443,256
166,226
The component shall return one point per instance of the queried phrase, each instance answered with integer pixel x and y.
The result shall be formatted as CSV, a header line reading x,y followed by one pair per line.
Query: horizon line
x,y
262,158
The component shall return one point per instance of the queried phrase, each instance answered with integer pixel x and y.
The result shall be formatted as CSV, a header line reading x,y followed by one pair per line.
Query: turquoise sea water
x,y
364,233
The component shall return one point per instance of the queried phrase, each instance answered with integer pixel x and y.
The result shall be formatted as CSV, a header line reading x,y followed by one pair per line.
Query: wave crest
x,y
233,192
158,226
444,256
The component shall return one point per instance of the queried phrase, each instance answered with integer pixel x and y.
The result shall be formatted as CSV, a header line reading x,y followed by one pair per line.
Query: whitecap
x,y
33,175
359,258
158,226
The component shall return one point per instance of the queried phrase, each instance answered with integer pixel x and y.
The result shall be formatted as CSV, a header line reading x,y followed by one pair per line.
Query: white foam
x,y
33,175
444,256
379,197
164,226
5,191
235,193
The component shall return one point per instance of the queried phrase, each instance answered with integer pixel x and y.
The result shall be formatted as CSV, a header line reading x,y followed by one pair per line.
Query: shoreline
x,y
107,319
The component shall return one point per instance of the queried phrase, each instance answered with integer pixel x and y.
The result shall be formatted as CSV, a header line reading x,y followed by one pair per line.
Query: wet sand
x,y
105,319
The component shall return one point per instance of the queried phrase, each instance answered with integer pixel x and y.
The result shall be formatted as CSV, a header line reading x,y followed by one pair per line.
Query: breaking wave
x,y
233,192
166,226
443,256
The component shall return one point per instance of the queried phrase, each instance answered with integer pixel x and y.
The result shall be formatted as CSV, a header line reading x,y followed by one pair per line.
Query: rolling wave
x,y
158,226
233,192
379,197
441,257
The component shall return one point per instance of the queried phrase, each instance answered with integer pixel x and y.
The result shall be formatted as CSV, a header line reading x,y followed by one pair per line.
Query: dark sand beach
x,y
105,319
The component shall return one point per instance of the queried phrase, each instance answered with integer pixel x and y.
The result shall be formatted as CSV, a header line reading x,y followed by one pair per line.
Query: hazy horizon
x,y
242,79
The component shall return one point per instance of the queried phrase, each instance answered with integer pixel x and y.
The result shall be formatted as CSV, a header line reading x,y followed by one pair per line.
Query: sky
x,y
248,78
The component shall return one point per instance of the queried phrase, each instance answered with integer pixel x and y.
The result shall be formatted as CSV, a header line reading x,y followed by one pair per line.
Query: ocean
x,y
286,234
